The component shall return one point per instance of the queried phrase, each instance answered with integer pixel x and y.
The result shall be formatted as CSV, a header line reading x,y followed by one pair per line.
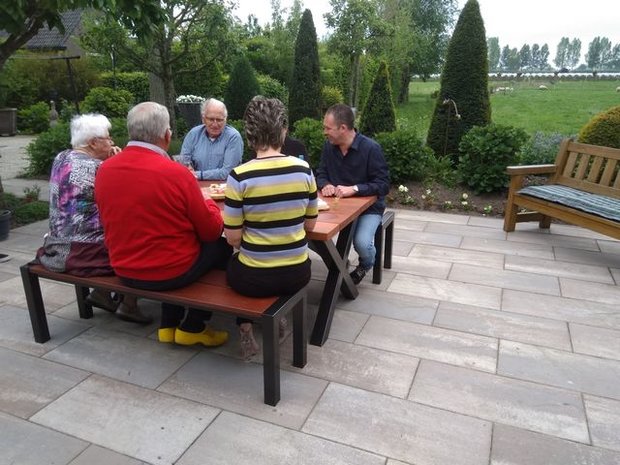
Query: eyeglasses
x,y
214,120
108,138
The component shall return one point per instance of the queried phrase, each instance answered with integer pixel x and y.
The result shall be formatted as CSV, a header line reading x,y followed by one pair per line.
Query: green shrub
x,y
34,119
30,212
272,88
541,148
378,114
44,148
603,129
330,95
239,125
242,87
8,201
108,102
486,151
464,85
441,171
135,82
310,132
406,155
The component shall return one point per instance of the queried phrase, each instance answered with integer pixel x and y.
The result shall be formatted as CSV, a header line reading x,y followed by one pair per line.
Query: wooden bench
x,y
583,189
208,293
384,236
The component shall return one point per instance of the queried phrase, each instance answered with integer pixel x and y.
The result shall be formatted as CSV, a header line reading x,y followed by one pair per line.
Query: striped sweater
x,y
269,198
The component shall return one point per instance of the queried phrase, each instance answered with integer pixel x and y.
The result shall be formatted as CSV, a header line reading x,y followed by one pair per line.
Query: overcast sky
x,y
514,22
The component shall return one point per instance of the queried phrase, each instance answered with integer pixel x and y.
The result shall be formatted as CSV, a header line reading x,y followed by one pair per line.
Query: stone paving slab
x,y
554,240
392,305
562,308
432,343
358,366
400,429
432,238
421,215
237,386
587,257
235,439
513,446
597,292
452,255
506,279
609,246
558,368
502,400
123,357
504,325
16,332
604,420
443,289
95,455
347,325
128,419
507,248
560,269
599,342
421,267
466,231
24,443
29,383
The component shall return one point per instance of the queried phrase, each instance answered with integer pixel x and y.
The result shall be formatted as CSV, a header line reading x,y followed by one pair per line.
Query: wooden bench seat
x,y
210,292
583,189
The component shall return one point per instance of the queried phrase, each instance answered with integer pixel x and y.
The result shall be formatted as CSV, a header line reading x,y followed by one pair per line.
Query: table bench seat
x,y
210,292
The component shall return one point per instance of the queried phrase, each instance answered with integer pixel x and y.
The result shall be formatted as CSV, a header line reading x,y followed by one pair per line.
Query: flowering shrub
x,y
190,99
403,196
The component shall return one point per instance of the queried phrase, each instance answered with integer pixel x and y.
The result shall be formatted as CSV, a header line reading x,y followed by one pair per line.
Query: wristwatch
x,y
356,189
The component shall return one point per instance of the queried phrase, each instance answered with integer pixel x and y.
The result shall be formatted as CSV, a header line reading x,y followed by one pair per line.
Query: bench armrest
x,y
530,169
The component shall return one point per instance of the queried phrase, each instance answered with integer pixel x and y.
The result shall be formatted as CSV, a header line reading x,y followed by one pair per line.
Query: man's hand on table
x,y
338,191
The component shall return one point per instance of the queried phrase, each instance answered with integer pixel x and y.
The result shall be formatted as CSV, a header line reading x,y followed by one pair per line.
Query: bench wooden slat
x,y
210,292
609,172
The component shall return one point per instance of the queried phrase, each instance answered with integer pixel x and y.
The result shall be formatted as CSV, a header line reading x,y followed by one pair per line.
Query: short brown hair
x,y
342,114
266,122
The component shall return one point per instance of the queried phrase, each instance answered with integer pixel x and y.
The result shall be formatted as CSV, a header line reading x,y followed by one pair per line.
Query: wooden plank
x,y
609,172
582,166
594,173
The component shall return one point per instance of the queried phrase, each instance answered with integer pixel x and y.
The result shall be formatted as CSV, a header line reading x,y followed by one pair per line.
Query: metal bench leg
x,y
377,267
271,359
300,335
85,309
389,239
36,308
383,254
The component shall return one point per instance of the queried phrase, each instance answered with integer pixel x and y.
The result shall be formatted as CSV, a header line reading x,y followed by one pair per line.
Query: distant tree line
x,y
601,56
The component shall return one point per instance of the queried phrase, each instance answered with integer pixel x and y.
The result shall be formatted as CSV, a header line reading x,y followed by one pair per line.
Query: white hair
x,y
213,102
87,127
148,122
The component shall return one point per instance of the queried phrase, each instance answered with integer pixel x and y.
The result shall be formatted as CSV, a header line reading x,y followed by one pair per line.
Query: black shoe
x,y
357,274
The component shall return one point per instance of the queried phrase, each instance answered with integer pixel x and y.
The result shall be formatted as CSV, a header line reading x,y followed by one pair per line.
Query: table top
x,y
330,222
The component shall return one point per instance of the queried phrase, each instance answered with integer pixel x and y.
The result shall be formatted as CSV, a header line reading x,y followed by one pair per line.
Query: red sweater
x,y
153,214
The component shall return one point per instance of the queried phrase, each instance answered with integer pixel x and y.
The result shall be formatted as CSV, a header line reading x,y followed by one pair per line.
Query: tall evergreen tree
x,y
242,87
378,115
305,89
463,100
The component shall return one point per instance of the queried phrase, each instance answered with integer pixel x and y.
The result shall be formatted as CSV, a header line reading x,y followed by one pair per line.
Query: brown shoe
x,y
133,313
249,346
102,299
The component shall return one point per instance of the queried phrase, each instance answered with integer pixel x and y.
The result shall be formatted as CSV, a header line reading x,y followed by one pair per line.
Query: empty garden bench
x,y
210,292
583,189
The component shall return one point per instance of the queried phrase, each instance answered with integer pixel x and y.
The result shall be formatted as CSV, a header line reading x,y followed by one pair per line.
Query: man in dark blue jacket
x,y
353,164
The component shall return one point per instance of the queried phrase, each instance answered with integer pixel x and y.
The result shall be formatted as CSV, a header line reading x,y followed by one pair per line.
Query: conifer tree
x,y
305,88
463,100
242,87
378,115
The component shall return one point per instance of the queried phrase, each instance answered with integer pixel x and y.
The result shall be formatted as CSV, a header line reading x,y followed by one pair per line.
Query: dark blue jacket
x,y
364,166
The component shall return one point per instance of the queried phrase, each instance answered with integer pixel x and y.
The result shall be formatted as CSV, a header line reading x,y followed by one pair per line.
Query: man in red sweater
x,y
161,233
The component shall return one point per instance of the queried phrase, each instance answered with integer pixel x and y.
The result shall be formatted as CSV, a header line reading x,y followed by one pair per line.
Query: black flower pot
x,y
5,224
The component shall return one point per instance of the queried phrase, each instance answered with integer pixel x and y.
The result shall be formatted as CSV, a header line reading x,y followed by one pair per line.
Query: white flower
x,y
190,99
428,192
402,188
447,203
423,197
464,196
464,203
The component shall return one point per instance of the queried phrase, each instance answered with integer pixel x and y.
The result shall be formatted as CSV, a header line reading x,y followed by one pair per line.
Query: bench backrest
x,y
589,168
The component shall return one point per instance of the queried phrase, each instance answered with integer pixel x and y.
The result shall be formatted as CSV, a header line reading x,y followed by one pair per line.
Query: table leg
x,y
335,258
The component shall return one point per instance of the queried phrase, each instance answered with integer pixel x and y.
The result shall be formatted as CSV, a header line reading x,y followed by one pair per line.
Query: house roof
x,y
47,39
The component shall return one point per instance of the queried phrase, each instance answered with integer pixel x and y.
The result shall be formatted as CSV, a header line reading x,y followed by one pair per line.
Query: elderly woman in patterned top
x,y
74,243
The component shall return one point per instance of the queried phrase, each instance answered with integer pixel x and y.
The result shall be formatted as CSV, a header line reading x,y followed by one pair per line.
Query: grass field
x,y
564,108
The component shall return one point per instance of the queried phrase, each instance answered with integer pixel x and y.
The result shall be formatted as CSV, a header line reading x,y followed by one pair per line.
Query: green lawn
x,y
564,108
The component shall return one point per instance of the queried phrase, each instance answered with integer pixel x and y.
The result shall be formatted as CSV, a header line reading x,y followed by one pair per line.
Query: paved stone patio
x,y
478,348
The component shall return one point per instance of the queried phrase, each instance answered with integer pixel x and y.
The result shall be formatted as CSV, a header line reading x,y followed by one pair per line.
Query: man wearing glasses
x,y
214,147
